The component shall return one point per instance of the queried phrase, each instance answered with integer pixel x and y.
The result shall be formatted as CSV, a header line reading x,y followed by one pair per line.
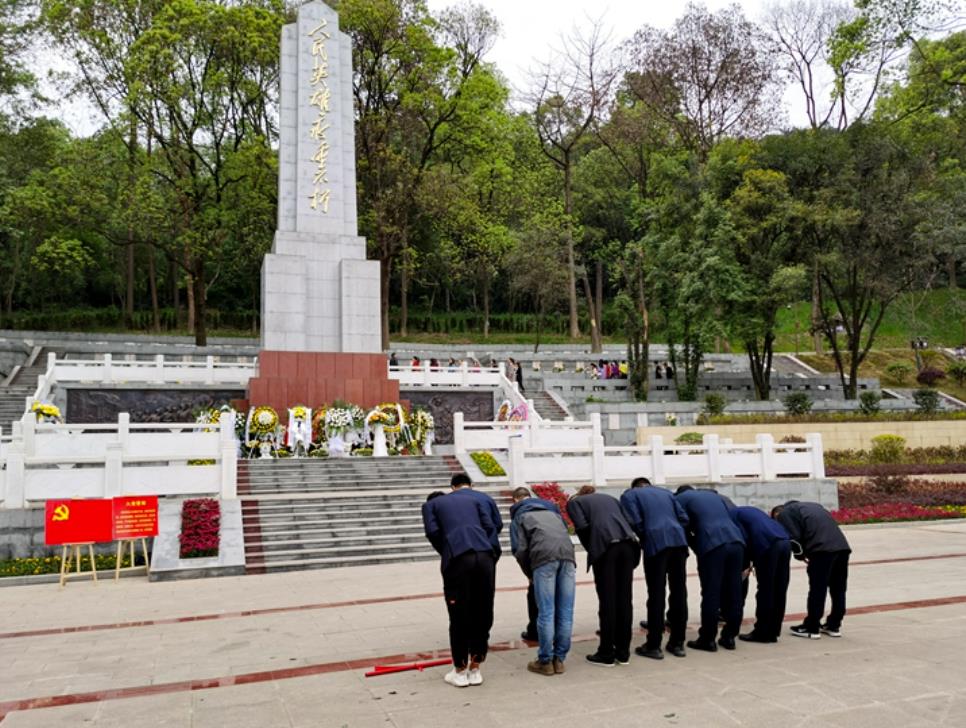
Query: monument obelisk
x,y
320,317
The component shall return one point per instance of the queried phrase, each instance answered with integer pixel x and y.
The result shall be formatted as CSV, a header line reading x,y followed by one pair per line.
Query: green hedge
x,y
94,319
778,419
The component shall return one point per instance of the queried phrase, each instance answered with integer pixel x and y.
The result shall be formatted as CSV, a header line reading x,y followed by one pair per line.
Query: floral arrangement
x,y
300,412
318,424
200,523
263,422
338,420
377,417
396,416
503,411
670,419
555,494
420,425
520,413
487,463
45,411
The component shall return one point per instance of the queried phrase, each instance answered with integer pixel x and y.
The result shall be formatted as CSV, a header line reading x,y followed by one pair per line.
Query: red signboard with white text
x,y
77,521
135,516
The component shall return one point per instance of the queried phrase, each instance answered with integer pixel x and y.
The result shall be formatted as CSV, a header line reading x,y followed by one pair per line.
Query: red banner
x,y
135,516
77,521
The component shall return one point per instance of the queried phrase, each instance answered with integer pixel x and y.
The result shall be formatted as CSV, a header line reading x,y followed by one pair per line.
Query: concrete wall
x,y
765,494
835,436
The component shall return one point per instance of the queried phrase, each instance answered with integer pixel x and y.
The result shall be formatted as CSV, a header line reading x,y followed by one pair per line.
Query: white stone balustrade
x,y
534,432
711,462
42,461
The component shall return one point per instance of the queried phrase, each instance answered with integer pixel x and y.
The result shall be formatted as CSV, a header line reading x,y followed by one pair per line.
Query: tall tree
x,y
567,95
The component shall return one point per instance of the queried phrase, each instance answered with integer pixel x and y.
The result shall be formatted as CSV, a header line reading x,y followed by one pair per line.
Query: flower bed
x,y
200,524
555,494
487,464
890,512
894,469
51,564
944,455
915,492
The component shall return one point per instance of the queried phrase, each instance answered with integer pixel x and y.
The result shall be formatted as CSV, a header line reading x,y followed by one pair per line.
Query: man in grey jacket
x,y
541,544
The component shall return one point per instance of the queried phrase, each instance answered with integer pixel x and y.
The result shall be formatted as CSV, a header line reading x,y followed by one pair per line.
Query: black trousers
x,y
469,582
614,577
771,574
531,612
719,572
665,573
828,572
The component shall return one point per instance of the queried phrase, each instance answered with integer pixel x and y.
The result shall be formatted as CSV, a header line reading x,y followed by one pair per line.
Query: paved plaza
x,y
291,650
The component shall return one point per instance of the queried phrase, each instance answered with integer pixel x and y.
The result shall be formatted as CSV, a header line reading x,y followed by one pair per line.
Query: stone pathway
x,y
290,650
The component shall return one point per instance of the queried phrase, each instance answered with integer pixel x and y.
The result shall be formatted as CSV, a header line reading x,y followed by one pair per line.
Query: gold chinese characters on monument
x,y
320,99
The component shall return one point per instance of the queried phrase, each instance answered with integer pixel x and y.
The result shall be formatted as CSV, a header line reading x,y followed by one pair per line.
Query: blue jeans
x,y
554,585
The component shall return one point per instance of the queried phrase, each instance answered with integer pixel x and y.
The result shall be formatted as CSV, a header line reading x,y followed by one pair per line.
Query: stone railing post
x,y
28,424
228,455
713,455
459,434
517,476
598,465
159,369
113,469
426,374
106,373
209,370
594,424
814,440
124,431
464,374
766,446
656,443
14,495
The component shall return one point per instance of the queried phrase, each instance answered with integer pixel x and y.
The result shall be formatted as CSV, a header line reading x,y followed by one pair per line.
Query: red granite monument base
x,y
288,378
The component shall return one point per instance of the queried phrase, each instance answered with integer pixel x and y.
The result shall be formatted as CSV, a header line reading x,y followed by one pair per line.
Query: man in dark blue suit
x,y
768,548
719,546
460,528
658,520
494,512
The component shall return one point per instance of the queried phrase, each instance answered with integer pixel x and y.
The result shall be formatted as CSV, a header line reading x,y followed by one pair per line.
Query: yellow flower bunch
x,y
42,409
300,412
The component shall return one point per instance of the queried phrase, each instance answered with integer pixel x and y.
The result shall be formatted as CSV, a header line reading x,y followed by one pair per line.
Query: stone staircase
x,y
313,513
547,406
24,383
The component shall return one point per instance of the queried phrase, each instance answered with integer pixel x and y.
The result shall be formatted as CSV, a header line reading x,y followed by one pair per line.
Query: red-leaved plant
x,y
884,512
200,523
915,492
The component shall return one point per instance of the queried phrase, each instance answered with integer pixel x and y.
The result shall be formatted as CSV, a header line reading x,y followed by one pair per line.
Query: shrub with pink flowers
x,y
200,523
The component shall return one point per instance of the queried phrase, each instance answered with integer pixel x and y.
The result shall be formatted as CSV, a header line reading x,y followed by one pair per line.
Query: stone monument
x,y
320,296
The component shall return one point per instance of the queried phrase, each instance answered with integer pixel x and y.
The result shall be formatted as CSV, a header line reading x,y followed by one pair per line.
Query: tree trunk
x,y
190,295
816,309
129,263
404,296
951,271
198,296
486,309
385,270
571,266
595,343
446,298
153,287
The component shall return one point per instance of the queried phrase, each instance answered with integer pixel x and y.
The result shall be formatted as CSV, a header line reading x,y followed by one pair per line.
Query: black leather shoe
x,y
676,650
596,659
655,653
529,637
755,637
643,624
703,646
727,642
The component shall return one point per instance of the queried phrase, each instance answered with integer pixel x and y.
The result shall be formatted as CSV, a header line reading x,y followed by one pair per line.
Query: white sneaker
x,y
458,679
475,677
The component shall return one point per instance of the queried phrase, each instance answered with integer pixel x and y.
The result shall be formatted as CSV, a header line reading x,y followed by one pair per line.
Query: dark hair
x,y
683,489
459,480
776,510
640,482
586,490
434,494
521,493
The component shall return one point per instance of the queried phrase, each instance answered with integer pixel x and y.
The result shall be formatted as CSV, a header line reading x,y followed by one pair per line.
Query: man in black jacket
x,y
824,547
613,552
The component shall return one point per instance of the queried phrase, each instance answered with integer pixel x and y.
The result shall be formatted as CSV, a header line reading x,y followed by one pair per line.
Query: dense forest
x,y
646,185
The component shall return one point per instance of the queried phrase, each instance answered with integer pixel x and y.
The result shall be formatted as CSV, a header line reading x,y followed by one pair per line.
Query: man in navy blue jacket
x,y
769,550
460,528
719,546
658,520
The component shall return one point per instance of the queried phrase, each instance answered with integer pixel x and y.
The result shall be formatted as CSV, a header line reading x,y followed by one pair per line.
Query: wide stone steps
x,y
320,514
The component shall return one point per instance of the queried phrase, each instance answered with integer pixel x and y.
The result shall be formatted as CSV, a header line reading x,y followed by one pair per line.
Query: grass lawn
x,y
878,359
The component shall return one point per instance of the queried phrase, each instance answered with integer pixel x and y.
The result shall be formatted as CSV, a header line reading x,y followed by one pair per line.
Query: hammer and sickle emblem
x,y
61,513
